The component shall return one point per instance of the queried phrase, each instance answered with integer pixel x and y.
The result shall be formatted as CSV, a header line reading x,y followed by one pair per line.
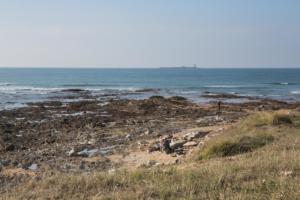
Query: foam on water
x,y
20,86
295,92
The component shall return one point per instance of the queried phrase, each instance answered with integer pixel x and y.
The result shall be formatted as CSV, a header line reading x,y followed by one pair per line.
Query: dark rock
x,y
73,90
177,98
157,97
165,144
147,90
9,147
5,162
174,144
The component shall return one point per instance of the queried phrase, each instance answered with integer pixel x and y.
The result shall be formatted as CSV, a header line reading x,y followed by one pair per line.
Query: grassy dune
x,y
259,158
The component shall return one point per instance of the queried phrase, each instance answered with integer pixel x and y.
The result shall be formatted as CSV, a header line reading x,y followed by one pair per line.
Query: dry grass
x,y
234,146
271,118
268,168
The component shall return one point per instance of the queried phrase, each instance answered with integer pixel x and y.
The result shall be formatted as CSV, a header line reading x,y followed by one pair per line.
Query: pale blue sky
x,y
150,33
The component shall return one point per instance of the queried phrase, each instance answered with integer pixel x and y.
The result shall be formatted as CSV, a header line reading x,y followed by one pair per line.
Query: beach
x,y
70,128
88,136
148,100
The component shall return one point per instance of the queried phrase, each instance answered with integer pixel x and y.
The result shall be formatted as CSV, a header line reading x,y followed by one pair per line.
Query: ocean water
x,y
20,86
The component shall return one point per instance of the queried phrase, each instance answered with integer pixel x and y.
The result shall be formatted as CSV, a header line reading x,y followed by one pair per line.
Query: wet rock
x,y
222,96
157,97
177,98
73,90
147,90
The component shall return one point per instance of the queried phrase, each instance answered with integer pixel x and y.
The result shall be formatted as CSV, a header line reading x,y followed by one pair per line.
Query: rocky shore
x,y
108,134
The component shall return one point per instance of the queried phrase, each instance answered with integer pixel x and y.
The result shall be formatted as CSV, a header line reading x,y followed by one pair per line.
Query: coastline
x,y
87,136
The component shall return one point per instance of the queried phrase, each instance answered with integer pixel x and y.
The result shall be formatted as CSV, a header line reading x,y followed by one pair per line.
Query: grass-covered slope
x,y
259,158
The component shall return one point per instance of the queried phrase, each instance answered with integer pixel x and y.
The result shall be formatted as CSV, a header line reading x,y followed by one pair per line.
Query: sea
x,y
20,86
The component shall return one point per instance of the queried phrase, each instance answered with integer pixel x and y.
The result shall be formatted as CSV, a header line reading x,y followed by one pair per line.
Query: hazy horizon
x,y
140,34
147,67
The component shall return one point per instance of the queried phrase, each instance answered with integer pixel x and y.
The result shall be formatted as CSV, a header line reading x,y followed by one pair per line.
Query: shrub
x,y
235,146
280,118
270,118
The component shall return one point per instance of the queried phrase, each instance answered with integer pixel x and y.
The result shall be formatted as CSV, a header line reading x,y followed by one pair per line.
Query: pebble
x,y
128,136
33,167
71,152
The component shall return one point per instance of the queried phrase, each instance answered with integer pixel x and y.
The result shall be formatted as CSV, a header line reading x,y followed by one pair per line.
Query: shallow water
x,y
19,86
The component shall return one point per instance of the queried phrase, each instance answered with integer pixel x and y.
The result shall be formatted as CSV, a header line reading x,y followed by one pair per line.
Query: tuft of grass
x,y
231,147
270,118
281,118
247,136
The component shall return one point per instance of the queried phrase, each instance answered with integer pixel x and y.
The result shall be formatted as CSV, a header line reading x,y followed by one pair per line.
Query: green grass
x,y
234,146
265,165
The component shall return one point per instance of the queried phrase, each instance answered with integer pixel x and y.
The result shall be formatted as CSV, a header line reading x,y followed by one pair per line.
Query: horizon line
x,y
150,67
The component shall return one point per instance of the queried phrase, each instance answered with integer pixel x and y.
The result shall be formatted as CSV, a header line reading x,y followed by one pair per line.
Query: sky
x,y
149,33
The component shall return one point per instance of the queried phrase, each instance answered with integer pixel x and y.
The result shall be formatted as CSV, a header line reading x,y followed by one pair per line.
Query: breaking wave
x,y
5,84
282,83
295,92
88,85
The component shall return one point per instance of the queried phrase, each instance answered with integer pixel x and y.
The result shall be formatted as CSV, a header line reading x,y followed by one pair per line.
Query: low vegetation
x,y
257,159
282,119
234,146
271,118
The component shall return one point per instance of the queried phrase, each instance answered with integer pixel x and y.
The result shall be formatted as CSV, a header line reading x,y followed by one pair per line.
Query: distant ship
x,y
182,67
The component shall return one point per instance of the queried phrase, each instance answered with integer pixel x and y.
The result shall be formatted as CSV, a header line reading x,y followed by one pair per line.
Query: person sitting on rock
x,y
165,144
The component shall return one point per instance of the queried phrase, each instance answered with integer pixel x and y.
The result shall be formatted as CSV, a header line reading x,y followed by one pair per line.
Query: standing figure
x,y
219,106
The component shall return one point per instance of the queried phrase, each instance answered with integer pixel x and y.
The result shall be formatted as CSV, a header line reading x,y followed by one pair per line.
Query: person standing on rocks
x,y
219,106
